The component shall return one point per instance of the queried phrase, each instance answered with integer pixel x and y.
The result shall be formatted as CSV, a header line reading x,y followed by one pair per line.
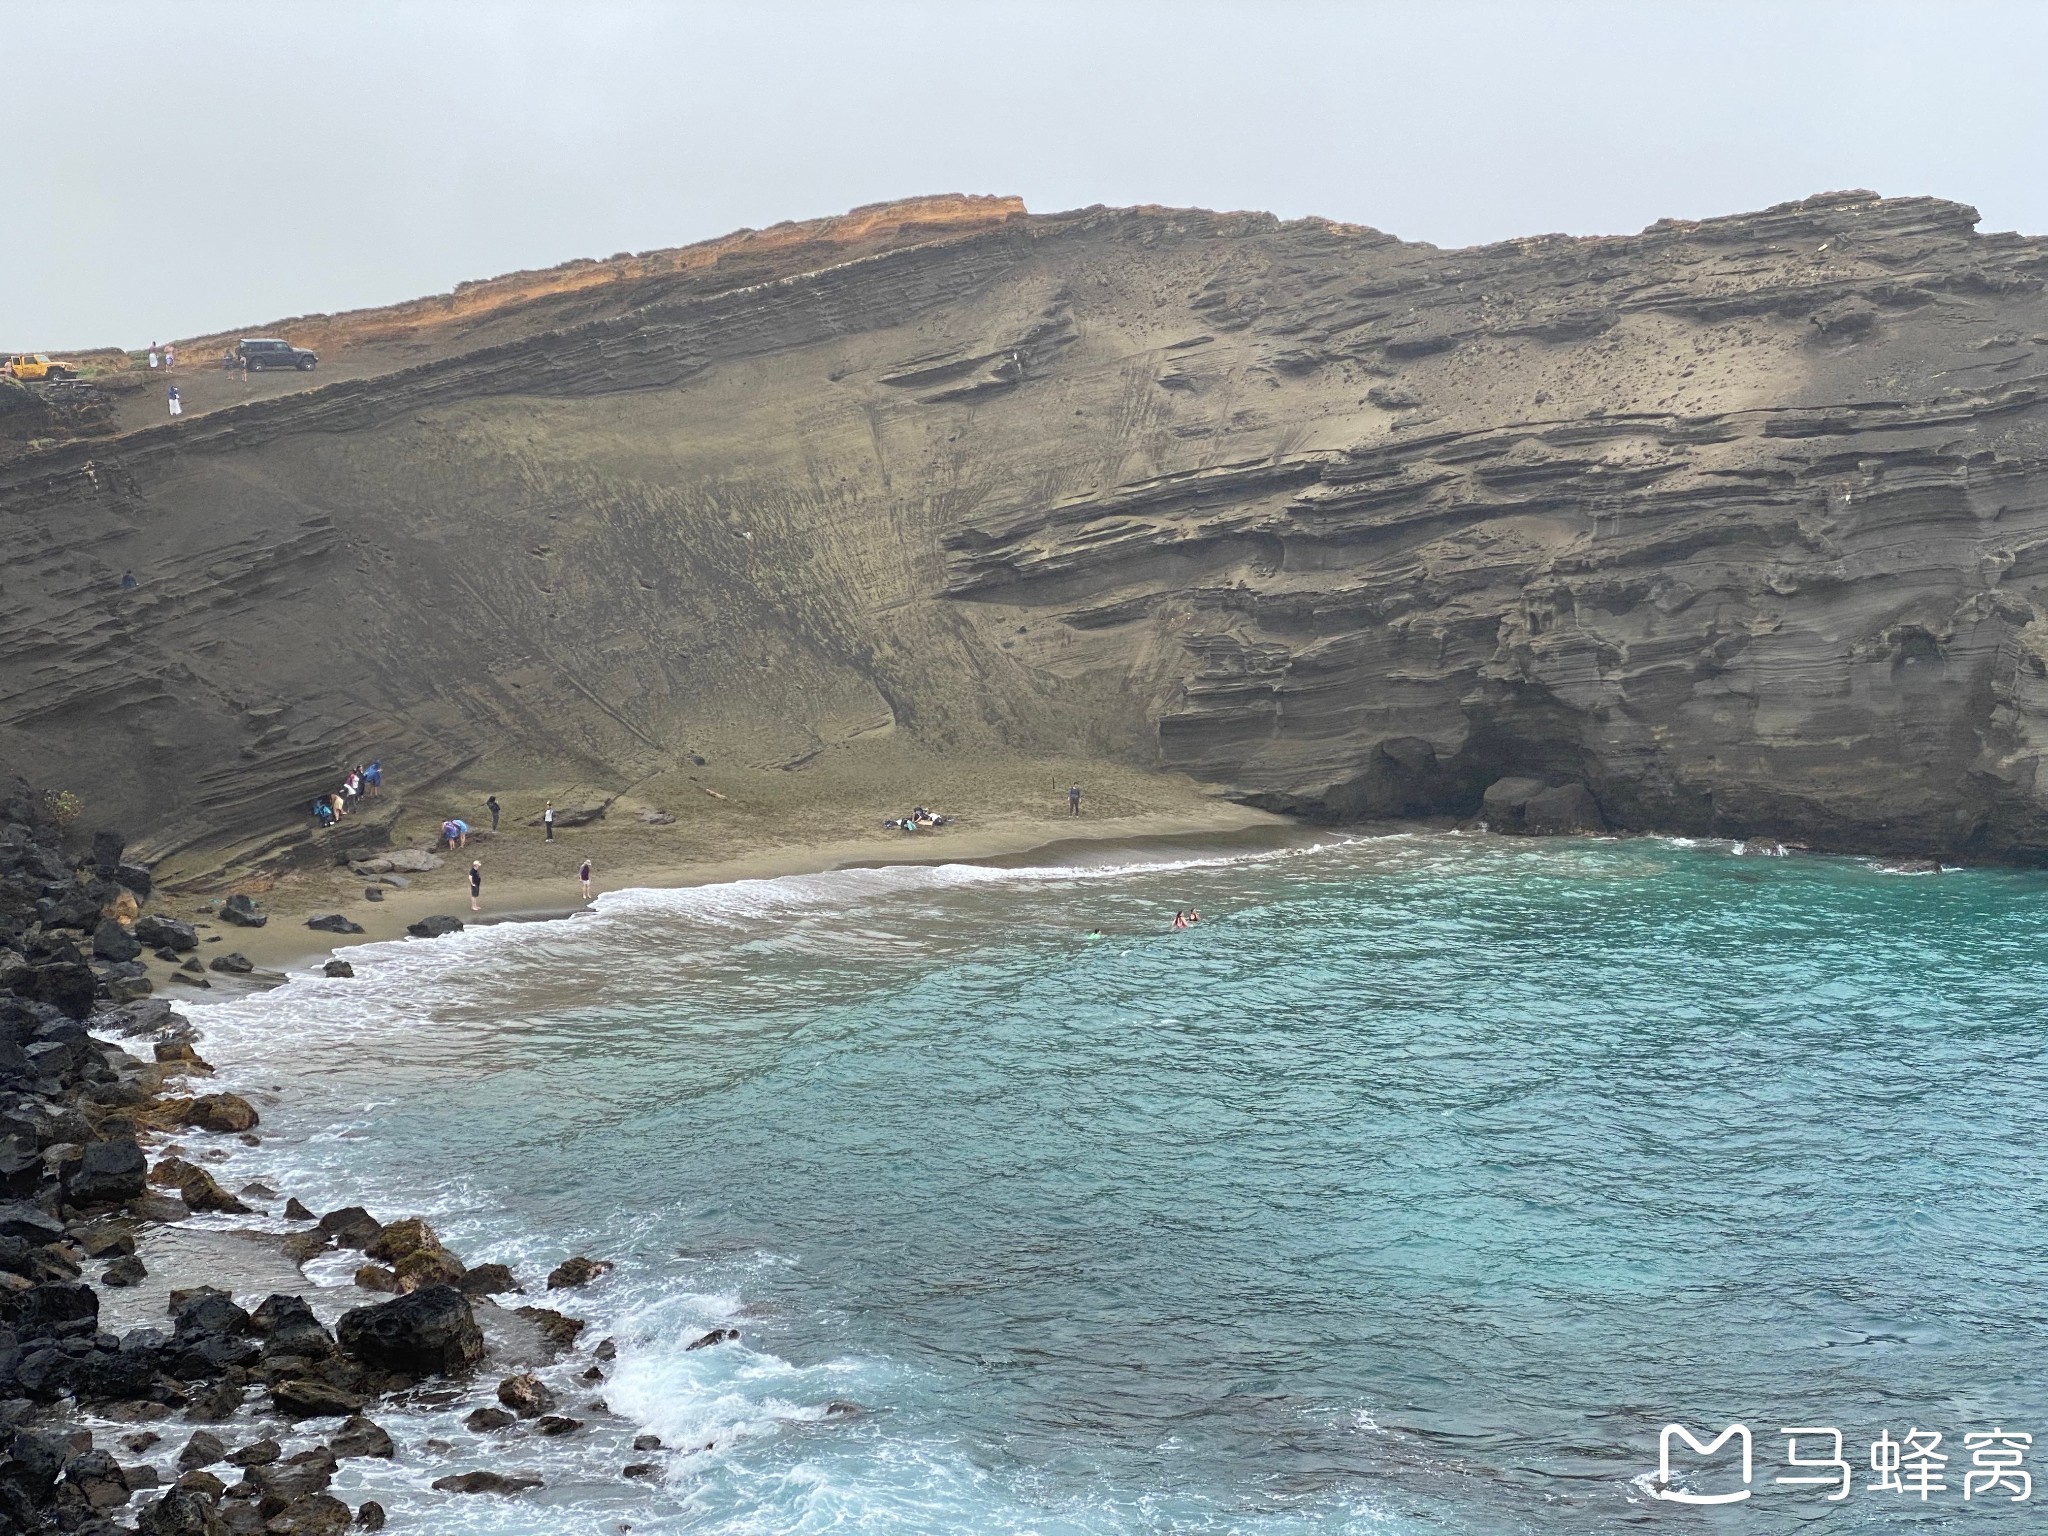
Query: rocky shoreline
x,y
103,1150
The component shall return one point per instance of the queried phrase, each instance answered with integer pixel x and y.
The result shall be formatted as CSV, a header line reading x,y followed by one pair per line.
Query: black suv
x,y
262,352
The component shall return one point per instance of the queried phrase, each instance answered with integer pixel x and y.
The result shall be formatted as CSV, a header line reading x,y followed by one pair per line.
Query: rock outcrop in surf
x,y
1737,525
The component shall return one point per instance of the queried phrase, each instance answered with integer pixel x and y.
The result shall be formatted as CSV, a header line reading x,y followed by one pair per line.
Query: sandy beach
x,y
1001,812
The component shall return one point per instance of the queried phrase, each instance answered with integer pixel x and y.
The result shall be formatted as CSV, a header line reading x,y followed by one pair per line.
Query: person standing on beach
x,y
476,885
583,875
492,806
1074,801
547,820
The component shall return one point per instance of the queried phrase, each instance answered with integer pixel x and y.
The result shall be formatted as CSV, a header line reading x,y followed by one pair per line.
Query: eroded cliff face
x,y
1741,523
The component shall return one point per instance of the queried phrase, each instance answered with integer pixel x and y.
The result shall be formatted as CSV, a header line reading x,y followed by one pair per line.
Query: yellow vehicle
x,y
32,366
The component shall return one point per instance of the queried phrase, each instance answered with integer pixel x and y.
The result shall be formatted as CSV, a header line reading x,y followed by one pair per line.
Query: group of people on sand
x,y
918,820
455,833
364,782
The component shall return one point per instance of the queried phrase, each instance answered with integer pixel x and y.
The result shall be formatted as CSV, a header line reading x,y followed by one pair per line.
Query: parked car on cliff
x,y
33,367
268,352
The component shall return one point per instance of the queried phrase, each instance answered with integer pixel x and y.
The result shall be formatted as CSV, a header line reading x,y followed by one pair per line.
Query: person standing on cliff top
x,y
547,820
476,885
1074,801
154,360
583,875
493,807
170,357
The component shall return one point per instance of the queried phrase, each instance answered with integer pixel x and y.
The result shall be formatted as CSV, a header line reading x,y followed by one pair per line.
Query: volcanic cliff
x,y
1742,524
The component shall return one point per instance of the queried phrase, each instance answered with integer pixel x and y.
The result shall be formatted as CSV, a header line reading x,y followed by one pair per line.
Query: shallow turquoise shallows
x,y
1415,1190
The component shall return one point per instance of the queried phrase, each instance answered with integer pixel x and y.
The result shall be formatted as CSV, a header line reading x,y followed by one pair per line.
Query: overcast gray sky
x,y
173,168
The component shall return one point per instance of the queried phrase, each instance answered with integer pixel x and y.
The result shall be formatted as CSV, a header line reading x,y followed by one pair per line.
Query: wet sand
x,y
528,878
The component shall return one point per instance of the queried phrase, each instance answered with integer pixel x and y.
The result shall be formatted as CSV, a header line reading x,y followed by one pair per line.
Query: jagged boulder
x,y
181,1512
221,1112
108,1172
361,1437
161,932
526,1395
110,941
430,1331
242,912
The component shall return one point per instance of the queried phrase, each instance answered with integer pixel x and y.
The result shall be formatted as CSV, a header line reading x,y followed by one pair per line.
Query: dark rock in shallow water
x,y
310,1398
124,1271
280,1310
715,1336
434,927
215,1404
370,1515
351,1227
337,968
206,1309
432,1330
557,1424
577,1271
295,1210
486,1419
257,1453
204,1449
525,1395
243,912
221,1112
361,1437
485,1482
558,1331
647,1442
333,922
233,963
487,1280
400,1238
640,1469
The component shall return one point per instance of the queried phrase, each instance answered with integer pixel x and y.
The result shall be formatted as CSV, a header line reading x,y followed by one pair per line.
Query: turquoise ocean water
x,y
1414,1191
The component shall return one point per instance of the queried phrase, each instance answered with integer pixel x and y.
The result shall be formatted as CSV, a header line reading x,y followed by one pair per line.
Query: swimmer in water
x,y
1180,921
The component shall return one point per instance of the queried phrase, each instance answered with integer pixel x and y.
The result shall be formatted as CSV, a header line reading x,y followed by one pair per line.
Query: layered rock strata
x,y
1737,523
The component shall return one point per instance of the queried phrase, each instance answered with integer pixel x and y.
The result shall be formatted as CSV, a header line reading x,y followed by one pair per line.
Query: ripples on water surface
x,y
1413,1191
